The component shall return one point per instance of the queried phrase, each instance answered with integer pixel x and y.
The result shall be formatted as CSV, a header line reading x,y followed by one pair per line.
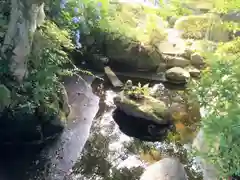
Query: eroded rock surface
x,y
165,169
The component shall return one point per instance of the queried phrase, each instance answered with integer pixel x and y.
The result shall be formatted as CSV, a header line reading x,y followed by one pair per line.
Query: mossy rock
x,y
135,36
5,97
208,26
148,108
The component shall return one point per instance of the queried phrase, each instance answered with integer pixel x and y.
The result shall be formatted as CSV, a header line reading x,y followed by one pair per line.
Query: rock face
x,y
165,169
202,26
177,75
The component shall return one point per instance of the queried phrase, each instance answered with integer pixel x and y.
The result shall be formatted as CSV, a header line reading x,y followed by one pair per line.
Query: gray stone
x,y
197,60
165,169
177,74
232,16
148,108
176,61
194,72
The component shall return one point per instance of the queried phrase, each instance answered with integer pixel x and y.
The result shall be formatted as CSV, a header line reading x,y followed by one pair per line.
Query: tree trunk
x,y
26,16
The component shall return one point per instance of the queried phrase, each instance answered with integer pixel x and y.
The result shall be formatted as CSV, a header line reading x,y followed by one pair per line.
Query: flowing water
x,y
108,153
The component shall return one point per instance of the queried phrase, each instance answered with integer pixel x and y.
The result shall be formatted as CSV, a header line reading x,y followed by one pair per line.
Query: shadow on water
x,y
55,160
114,153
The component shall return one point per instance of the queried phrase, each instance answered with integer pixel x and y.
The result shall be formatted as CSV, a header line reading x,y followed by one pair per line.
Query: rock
x,y
172,47
177,75
202,26
232,16
161,68
176,61
197,60
140,128
5,97
209,172
147,108
178,112
137,47
112,77
194,72
165,169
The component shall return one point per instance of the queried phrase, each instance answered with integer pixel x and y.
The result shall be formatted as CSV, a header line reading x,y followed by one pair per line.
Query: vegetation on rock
x,y
35,55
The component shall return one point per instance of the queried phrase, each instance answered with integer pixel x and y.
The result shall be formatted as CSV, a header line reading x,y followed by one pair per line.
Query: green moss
x,y
149,106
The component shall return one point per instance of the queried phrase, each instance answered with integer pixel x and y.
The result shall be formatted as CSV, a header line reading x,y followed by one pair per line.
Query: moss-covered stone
x,y
208,26
147,108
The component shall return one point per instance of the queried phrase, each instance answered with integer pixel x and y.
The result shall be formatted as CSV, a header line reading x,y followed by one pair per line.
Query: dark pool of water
x,y
109,154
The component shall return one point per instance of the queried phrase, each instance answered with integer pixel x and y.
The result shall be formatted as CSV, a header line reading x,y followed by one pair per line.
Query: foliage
x,y
232,47
41,88
137,92
218,95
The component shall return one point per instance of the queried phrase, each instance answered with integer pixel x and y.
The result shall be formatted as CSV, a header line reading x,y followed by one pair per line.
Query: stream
x,y
91,147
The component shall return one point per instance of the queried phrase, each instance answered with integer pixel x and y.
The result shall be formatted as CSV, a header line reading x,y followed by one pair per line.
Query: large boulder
x,y
165,169
208,26
177,75
134,42
147,108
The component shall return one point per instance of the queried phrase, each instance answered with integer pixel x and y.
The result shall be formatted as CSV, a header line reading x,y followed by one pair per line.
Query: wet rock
x,y
147,108
176,61
145,130
177,75
202,26
194,72
165,169
178,112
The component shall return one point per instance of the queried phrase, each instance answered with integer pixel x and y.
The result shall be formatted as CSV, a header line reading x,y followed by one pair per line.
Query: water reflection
x,y
110,154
